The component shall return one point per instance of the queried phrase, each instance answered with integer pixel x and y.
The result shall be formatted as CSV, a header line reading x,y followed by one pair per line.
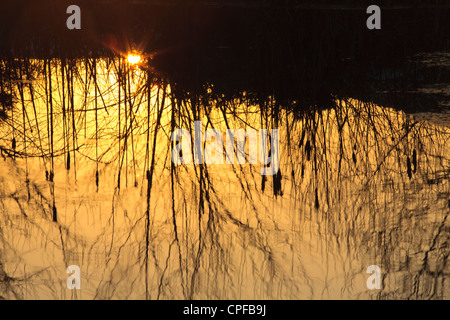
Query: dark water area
x,y
87,176
297,51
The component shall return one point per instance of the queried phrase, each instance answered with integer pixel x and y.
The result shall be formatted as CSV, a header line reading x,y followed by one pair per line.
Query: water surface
x,y
86,179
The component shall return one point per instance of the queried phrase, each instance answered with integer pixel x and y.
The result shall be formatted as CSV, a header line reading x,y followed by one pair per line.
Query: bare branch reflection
x,y
87,179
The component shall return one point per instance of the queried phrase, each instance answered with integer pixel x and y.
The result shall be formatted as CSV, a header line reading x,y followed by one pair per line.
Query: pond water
x,y
86,179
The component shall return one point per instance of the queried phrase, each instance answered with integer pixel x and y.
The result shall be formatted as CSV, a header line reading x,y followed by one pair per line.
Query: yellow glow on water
x,y
134,58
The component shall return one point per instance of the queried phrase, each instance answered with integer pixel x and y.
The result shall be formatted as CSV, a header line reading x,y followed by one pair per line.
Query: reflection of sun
x,y
134,58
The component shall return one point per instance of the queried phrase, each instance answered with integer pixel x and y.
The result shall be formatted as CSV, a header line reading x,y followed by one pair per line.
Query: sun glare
x,y
134,58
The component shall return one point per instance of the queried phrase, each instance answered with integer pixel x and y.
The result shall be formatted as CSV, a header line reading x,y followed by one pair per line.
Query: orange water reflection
x,y
360,185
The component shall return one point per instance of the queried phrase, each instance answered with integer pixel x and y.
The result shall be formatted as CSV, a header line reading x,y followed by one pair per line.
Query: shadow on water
x,y
87,178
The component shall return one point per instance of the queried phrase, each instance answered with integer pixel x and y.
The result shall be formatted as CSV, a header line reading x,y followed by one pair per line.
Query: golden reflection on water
x,y
360,185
